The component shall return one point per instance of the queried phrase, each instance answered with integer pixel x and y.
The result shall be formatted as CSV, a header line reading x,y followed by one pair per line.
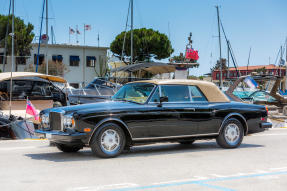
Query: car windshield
x,y
135,92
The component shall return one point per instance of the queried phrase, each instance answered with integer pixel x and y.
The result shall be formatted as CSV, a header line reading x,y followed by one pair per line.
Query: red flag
x,y
30,109
88,27
71,31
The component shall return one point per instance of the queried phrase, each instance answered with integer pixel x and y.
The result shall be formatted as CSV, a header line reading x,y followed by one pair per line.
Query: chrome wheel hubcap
x,y
232,134
110,140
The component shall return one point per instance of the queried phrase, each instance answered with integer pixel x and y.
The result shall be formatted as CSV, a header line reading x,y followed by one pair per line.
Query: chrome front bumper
x,y
59,136
265,125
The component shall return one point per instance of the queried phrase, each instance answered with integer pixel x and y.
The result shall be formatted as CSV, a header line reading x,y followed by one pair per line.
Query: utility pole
x,y
286,65
6,38
132,23
47,32
219,39
12,57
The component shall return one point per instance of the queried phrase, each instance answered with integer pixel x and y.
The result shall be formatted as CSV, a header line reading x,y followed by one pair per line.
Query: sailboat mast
x,y
219,38
47,32
248,61
132,23
12,57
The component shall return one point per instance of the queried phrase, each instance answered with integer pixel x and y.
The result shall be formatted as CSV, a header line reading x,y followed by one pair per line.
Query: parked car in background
x,y
38,88
96,91
153,111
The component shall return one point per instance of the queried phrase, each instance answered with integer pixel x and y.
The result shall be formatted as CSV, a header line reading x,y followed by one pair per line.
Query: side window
x,y
196,94
176,93
155,96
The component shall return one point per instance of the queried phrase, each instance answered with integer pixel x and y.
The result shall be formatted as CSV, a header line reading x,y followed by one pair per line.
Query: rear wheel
x,y
108,141
68,148
231,134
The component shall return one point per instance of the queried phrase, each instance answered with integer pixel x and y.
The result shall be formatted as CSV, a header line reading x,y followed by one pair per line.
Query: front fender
x,y
110,119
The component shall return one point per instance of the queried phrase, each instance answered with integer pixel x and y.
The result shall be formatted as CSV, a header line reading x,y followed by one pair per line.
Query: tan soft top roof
x,y
210,90
7,76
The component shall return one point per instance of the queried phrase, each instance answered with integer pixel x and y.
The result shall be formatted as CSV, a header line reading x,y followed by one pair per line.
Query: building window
x,y
217,75
41,59
224,74
91,61
20,60
1,58
75,85
57,58
74,60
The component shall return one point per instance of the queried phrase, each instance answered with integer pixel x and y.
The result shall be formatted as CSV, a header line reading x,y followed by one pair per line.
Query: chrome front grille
x,y
56,122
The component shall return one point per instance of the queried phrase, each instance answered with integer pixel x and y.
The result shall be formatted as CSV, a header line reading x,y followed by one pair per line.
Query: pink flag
x,y
30,109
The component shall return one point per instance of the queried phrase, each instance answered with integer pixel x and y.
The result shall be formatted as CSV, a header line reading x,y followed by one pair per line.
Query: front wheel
x,y
108,141
68,148
231,134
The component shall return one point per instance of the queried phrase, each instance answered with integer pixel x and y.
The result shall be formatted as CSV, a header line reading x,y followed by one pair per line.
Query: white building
x,y
82,62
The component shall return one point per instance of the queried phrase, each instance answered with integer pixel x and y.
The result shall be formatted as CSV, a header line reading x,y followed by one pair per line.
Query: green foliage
x,y
23,35
261,70
103,69
217,66
54,68
147,44
178,59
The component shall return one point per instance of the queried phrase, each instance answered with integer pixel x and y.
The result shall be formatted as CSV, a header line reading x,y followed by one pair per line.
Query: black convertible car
x,y
152,111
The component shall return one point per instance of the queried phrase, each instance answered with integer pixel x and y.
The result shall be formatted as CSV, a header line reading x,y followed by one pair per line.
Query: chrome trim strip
x,y
106,120
170,137
233,114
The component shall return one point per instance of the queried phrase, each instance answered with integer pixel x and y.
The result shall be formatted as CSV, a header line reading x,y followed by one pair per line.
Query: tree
x,y
103,69
217,66
23,36
147,44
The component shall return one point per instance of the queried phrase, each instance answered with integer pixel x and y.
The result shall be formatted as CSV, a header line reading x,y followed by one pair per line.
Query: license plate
x,y
48,136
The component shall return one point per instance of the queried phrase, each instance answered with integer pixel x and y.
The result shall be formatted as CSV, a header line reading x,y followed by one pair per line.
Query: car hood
x,y
94,107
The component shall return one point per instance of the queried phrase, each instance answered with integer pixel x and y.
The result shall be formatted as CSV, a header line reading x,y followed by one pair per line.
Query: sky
x,y
257,24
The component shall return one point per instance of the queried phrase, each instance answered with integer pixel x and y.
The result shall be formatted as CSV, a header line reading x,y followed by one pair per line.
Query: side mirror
x,y
163,99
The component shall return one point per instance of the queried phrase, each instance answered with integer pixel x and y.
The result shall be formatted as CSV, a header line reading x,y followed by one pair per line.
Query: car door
x,y
152,121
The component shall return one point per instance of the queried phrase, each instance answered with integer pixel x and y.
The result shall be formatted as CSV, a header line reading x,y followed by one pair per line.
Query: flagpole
x,y
12,56
77,34
26,108
84,34
69,35
98,39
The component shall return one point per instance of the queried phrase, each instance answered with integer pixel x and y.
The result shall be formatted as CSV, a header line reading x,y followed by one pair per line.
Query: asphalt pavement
x,y
260,163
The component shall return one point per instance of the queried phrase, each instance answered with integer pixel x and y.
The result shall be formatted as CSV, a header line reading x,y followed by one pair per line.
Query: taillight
x,y
266,108
262,118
